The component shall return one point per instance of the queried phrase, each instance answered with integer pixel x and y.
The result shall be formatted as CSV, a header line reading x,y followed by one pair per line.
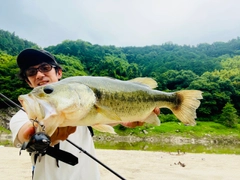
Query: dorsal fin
x,y
145,81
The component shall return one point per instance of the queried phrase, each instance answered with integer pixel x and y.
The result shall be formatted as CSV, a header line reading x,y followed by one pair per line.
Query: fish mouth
x,y
28,105
35,108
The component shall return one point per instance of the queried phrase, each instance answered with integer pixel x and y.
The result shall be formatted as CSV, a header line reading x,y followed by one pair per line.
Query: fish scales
x,y
131,103
99,101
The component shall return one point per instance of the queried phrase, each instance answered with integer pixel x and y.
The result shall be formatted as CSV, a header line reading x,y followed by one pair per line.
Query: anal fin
x,y
152,119
104,128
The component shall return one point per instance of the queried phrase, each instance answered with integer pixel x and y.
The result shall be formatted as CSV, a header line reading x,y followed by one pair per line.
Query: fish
x,y
102,101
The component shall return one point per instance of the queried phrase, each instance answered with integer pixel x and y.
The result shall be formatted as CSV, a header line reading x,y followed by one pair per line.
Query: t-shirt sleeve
x,y
16,122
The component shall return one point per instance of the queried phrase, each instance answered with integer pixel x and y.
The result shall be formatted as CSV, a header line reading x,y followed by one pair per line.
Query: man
x,y
37,68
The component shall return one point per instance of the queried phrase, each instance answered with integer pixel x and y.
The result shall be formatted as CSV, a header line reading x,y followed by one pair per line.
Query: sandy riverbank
x,y
138,165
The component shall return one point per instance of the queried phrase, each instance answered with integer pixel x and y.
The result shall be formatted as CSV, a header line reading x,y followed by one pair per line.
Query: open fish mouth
x,y
28,105
36,108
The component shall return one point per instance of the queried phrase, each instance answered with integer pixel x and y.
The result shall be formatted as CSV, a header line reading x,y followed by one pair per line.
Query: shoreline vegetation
x,y
176,132
205,137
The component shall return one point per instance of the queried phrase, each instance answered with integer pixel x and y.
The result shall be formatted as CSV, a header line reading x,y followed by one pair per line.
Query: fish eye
x,y
48,89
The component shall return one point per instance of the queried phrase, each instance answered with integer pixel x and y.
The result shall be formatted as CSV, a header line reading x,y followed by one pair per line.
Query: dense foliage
x,y
212,68
12,44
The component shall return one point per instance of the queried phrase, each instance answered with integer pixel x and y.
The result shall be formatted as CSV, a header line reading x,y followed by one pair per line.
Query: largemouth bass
x,y
99,101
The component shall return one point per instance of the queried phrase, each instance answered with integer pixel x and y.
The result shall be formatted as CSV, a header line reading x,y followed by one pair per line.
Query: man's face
x,y
43,78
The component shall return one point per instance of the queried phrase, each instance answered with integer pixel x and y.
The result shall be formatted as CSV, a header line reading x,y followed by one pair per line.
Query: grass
x,y
216,138
4,130
5,142
201,130
164,147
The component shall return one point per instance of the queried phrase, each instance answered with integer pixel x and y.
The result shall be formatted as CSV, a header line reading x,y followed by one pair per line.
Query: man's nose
x,y
39,74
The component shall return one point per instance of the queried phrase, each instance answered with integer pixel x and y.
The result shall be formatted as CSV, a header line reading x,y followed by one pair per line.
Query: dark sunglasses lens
x,y
31,72
45,68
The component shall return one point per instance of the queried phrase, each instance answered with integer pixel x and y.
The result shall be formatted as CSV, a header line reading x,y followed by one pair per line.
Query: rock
x,y
145,131
6,115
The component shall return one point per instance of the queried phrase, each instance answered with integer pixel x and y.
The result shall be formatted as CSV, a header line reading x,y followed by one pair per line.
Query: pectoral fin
x,y
104,111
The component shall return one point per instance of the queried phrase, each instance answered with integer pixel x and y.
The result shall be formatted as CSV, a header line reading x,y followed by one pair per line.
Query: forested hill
x,y
12,44
152,59
212,68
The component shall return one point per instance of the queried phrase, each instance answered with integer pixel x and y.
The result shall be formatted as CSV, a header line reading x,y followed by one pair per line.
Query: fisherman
x,y
37,68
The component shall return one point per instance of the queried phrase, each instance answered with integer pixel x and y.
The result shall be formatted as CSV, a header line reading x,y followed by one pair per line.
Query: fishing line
x,y
15,104
78,147
5,102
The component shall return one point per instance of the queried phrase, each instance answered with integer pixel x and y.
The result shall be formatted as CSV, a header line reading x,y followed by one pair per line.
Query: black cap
x,y
32,57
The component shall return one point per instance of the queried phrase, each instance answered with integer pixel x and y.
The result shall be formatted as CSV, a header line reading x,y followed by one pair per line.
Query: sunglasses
x,y
44,68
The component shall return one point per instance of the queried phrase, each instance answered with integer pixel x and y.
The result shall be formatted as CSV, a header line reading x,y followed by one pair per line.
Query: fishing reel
x,y
39,142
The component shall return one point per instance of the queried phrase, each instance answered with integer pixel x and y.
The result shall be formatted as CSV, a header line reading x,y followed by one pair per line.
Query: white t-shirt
x,y
46,169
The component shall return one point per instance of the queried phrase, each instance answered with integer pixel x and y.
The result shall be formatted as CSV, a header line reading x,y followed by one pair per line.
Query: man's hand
x,y
133,124
62,134
26,132
139,123
156,111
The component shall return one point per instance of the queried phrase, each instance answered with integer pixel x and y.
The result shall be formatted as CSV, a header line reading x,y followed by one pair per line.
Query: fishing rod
x,y
78,147
85,152
15,104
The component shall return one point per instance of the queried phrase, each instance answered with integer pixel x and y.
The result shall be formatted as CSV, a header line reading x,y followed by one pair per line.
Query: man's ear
x,y
59,73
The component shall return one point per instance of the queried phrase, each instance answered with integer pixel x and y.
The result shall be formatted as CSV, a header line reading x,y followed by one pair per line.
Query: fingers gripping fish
x,y
99,101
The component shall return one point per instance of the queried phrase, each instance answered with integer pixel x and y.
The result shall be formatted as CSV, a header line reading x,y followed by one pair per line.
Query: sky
x,y
122,22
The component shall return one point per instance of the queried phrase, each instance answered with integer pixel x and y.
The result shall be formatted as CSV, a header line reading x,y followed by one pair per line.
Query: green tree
x,y
116,68
10,85
229,116
71,65
176,80
217,91
12,44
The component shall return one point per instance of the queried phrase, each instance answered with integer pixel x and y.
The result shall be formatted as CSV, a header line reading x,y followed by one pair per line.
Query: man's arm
x,y
22,130
25,132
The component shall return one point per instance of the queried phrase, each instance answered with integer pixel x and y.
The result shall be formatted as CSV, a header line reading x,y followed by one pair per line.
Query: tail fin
x,y
189,102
